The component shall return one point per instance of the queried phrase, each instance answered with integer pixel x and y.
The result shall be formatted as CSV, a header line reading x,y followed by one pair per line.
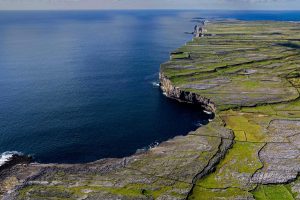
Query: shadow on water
x,y
196,116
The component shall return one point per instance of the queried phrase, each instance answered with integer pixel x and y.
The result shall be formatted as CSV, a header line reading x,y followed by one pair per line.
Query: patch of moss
x,y
131,190
244,128
183,55
200,193
265,110
46,192
235,169
295,82
272,192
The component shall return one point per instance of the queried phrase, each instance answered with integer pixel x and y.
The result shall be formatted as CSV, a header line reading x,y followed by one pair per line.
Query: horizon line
x,y
137,9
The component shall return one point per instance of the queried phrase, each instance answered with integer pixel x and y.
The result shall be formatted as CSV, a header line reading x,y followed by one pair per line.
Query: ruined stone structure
x,y
199,29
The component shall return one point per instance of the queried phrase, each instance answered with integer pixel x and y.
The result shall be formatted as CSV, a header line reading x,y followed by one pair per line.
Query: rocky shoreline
x,y
184,96
13,160
250,78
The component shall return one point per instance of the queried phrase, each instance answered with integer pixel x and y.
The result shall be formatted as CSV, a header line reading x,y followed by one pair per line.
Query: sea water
x,y
77,86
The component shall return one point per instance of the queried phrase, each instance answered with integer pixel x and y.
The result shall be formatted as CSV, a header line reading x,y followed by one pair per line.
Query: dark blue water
x,y
76,86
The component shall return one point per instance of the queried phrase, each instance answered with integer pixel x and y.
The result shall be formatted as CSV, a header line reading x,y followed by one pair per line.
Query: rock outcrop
x,y
184,96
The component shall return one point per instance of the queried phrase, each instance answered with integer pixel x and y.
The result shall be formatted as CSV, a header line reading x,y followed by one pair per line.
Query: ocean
x,y
78,86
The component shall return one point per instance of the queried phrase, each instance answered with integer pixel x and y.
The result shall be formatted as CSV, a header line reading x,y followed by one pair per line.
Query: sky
x,y
150,4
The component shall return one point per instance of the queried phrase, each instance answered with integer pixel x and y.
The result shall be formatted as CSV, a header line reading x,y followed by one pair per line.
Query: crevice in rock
x,y
223,148
243,141
259,160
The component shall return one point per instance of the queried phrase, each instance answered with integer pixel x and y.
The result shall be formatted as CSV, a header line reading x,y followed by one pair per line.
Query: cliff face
x,y
184,96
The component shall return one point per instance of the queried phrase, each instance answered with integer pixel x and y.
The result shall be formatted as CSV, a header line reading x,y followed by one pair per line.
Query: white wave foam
x,y
207,112
153,145
198,124
147,148
155,84
6,156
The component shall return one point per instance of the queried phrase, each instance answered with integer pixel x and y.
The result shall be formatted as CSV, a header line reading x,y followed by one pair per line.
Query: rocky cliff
x,y
184,96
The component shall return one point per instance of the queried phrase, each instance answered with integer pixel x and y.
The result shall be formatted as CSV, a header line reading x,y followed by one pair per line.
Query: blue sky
x,y
151,4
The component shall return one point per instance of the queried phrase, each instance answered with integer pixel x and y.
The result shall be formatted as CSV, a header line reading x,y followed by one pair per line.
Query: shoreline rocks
x,y
184,96
15,159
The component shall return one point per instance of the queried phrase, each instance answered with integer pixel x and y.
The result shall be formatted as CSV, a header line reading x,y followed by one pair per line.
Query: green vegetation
x,y
75,192
200,193
243,66
231,178
184,55
272,192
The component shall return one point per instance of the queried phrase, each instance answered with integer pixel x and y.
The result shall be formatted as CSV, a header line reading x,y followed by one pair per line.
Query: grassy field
x,y
250,70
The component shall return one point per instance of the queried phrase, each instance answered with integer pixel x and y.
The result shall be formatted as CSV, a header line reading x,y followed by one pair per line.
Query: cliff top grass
x,y
241,64
251,72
